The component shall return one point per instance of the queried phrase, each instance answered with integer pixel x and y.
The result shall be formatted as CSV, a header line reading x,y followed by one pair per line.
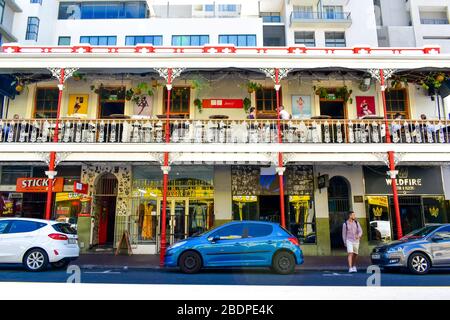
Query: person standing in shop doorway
x,y
351,234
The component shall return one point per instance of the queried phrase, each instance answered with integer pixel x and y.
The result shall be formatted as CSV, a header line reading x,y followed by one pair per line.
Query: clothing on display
x,y
147,223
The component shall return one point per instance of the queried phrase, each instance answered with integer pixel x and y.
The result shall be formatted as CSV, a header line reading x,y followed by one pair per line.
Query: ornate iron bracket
x,y
60,156
383,157
68,72
271,73
272,157
159,157
375,73
164,73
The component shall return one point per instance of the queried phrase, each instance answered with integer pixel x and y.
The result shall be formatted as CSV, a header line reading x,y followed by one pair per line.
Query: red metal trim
x,y
214,49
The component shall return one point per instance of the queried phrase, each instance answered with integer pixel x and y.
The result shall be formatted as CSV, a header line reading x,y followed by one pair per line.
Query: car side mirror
x,y
437,238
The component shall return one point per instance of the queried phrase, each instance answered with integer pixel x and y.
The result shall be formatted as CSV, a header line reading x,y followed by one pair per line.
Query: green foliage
x,y
247,103
198,104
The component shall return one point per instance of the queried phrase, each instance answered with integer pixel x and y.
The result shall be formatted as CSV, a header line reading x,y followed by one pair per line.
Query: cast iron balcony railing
x,y
301,16
225,131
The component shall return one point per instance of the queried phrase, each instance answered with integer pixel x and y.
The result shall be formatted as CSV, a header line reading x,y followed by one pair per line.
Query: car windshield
x,y
420,233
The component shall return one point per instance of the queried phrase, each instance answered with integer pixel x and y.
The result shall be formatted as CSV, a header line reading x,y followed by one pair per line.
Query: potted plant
x,y
247,103
345,94
321,92
433,80
198,104
253,86
137,93
78,76
399,83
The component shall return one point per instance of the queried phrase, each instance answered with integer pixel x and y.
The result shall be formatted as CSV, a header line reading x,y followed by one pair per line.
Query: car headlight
x,y
178,244
395,249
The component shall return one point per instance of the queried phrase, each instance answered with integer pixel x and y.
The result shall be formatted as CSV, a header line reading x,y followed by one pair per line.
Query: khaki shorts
x,y
353,247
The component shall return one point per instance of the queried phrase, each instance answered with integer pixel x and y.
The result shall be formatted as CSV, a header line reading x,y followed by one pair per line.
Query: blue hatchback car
x,y
238,244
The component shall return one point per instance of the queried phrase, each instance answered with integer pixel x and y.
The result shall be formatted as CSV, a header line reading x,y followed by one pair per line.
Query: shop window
x,y
397,102
10,174
380,229
256,197
46,103
266,100
70,205
190,202
180,100
302,219
245,208
434,210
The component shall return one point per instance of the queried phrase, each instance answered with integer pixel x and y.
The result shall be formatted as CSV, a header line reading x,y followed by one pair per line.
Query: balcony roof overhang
x,y
14,58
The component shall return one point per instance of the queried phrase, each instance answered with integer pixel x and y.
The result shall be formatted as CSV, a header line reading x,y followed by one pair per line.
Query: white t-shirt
x,y
284,115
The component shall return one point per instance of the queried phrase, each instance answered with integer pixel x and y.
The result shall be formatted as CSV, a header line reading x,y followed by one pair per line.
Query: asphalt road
x,y
224,277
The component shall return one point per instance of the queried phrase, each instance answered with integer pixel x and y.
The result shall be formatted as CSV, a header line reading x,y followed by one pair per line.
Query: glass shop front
x,y
190,203
421,200
256,196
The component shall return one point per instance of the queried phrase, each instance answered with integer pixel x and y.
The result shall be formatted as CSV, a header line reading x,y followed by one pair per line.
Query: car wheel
x,y
283,262
418,263
60,264
35,260
190,262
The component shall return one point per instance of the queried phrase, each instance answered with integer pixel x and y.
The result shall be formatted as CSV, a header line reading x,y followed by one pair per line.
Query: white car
x,y
36,243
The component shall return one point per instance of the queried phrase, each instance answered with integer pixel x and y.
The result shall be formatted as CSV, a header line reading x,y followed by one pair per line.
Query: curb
x,y
153,267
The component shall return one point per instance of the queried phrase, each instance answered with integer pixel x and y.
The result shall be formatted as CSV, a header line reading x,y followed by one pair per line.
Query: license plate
x,y
72,241
376,256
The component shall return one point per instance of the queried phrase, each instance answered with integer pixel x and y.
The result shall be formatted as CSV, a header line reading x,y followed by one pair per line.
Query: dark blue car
x,y
238,244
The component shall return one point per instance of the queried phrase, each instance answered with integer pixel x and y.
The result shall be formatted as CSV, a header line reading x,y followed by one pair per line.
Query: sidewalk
x,y
92,261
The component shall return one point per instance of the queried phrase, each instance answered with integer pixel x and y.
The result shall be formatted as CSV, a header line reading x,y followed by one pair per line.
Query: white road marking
x,y
102,272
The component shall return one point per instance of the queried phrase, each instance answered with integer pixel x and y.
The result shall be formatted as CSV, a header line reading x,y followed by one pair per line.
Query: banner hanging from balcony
x,y
223,103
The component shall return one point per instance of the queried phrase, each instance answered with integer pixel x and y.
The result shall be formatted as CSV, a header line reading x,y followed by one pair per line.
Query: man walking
x,y
351,234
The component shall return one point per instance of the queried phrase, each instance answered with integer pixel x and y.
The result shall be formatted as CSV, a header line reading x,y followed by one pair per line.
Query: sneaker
x,y
350,270
354,269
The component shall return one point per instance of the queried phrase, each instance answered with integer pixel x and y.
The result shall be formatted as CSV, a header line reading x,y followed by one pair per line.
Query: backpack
x,y
346,226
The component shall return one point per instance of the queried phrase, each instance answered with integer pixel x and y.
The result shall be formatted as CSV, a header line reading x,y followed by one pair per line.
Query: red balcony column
x,y
169,74
277,74
280,168
391,157
62,74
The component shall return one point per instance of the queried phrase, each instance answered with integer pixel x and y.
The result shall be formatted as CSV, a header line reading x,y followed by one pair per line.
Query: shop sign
x,y
79,187
38,185
410,181
223,103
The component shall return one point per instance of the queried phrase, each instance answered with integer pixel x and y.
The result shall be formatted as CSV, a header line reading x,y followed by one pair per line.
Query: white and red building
x,y
108,103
